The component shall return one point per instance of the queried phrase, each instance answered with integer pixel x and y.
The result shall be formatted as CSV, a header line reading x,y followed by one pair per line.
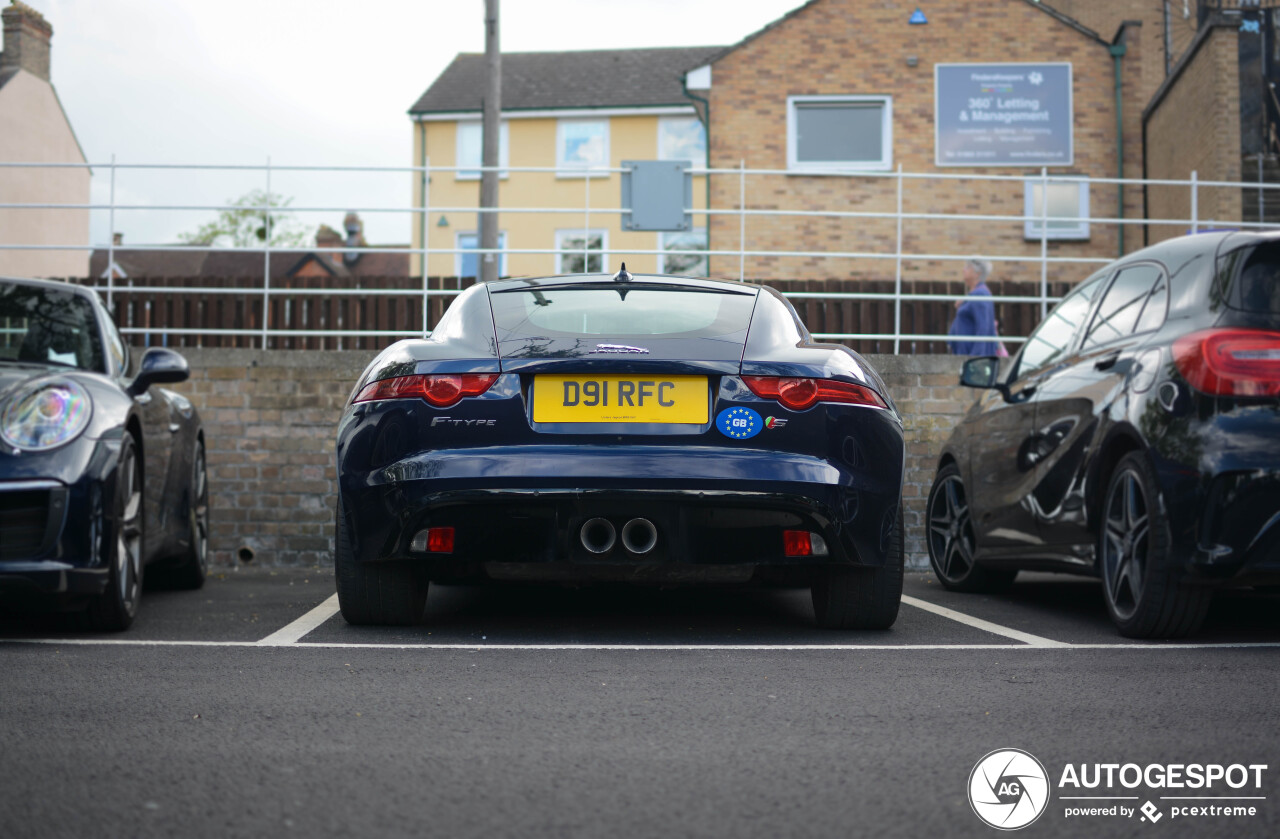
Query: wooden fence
x,y
158,314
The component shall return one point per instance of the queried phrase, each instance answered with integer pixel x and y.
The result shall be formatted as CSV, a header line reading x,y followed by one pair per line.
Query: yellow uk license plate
x,y
619,398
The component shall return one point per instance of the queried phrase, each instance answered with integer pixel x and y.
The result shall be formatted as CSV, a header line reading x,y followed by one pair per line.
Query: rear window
x,y
615,310
1257,288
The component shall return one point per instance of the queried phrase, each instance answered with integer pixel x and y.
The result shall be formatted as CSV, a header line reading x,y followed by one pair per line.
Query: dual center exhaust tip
x,y
598,536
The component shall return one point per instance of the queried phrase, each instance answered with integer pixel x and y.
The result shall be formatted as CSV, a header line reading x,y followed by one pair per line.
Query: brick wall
x,y
839,47
270,422
1196,127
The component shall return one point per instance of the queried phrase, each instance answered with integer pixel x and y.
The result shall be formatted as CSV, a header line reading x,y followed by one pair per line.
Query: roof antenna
x,y
623,276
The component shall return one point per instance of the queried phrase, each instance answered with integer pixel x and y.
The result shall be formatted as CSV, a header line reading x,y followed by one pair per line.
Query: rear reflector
x,y
796,543
1230,362
799,393
436,540
440,390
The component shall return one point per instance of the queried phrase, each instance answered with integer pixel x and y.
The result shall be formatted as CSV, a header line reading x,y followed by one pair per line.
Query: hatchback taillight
x,y
440,390
1230,362
799,394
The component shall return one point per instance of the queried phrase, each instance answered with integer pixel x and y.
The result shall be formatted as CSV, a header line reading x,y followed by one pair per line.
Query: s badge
x,y
739,423
774,422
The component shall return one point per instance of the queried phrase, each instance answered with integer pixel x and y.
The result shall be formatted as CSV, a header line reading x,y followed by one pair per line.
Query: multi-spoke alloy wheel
x,y
951,540
192,565
1124,543
120,547
1144,595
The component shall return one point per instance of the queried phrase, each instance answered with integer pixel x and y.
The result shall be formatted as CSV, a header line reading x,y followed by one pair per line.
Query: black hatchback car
x,y
1136,438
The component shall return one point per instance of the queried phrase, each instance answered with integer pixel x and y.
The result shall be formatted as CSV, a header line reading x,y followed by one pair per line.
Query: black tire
x,y
119,544
952,541
861,598
1145,595
384,593
191,568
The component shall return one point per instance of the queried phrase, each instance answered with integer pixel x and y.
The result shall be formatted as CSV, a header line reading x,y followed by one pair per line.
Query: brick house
x,y
330,258
876,62
1158,91
35,129
1226,77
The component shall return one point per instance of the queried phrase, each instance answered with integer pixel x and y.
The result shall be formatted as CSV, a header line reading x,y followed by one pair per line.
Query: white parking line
x,y
325,645
293,633
979,623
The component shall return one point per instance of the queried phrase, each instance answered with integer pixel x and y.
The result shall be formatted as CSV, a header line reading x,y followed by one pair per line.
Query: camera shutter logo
x,y
1008,789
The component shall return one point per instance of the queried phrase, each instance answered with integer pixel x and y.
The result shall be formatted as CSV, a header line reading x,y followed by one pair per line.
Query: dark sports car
x,y
635,428
1135,438
101,473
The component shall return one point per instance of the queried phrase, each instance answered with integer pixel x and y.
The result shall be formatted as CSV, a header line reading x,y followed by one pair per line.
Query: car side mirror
x,y
159,366
983,373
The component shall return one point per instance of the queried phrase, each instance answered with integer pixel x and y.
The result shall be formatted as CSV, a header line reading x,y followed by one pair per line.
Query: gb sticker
x,y
739,423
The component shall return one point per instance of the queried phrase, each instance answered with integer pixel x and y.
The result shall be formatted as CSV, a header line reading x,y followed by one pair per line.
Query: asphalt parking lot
x,y
250,708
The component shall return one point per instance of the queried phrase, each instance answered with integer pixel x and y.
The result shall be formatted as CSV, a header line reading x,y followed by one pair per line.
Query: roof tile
x,y
585,79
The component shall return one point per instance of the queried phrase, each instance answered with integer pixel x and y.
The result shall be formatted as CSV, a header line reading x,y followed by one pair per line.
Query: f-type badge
x,y
618,348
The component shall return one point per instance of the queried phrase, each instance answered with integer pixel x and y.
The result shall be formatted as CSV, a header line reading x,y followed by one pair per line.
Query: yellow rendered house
x,y
564,112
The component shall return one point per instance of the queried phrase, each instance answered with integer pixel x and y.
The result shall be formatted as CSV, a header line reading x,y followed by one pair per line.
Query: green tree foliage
x,y
245,224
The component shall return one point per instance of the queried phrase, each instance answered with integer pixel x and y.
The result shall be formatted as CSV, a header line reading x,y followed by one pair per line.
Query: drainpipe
x,y
426,228
706,126
1117,52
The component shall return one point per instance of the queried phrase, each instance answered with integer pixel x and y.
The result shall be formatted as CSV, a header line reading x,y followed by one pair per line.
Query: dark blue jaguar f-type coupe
x,y
101,472
624,428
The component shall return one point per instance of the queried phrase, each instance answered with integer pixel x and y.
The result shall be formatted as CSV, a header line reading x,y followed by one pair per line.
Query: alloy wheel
x,y
200,512
1126,531
951,540
129,533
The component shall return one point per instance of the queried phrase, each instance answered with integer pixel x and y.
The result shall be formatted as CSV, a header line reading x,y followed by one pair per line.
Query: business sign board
x,y
1003,115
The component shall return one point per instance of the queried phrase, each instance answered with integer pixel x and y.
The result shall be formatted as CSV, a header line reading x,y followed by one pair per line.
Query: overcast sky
x,y
306,82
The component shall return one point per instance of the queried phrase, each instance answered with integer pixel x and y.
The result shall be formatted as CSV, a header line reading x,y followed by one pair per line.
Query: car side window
x,y
1122,311
1153,313
116,351
1053,337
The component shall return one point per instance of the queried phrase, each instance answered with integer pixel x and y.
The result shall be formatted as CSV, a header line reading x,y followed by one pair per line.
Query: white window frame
x,y
663,249
885,162
565,169
666,121
504,144
561,251
457,252
1031,227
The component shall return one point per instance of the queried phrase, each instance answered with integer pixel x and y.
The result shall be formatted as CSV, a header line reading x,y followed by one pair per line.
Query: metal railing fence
x,y
268,321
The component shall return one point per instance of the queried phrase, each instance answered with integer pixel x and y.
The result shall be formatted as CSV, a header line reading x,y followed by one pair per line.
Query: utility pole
x,y
489,157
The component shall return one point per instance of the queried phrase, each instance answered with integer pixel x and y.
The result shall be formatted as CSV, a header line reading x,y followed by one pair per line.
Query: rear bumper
x,y
1240,530
516,497
1221,486
698,528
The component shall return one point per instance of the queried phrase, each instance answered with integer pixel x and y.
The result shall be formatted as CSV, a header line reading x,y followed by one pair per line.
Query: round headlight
x,y
48,415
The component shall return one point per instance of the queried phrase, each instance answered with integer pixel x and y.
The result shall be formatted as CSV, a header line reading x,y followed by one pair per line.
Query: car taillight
x,y
798,394
796,543
440,390
1230,362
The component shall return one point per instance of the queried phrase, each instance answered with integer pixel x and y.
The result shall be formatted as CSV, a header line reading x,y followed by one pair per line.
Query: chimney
x,y
26,40
355,238
327,237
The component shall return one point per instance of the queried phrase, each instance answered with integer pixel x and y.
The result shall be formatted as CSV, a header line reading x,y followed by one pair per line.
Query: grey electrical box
x,y
659,194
